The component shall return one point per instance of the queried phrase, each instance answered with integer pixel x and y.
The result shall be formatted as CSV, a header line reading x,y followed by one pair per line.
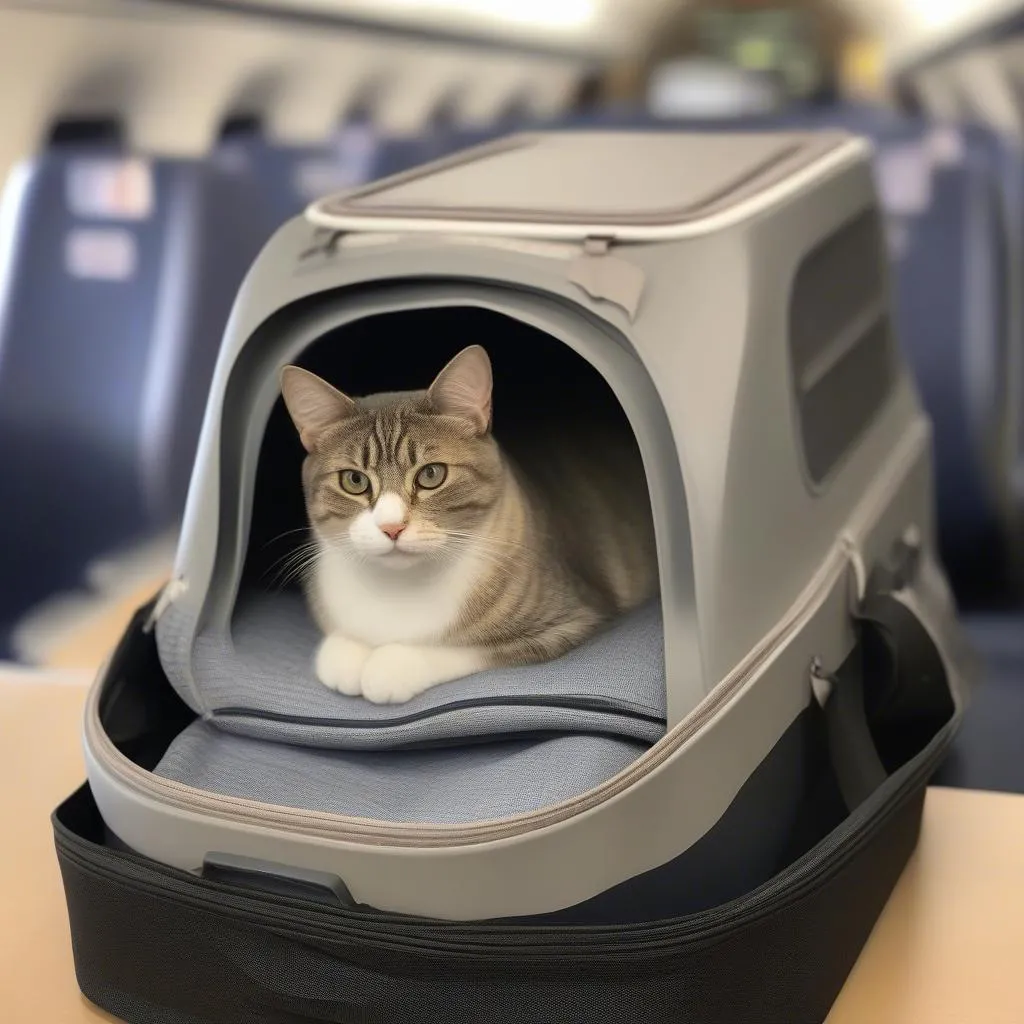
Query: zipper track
x,y
496,942
335,827
601,705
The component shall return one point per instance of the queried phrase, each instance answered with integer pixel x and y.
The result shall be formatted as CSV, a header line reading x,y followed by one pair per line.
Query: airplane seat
x,y
289,177
84,274
398,153
354,150
122,274
952,282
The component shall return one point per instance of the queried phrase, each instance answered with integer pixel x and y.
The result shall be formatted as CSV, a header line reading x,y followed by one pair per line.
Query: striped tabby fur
x,y
414,581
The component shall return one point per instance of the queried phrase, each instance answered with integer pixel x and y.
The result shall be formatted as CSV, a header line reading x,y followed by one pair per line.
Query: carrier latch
x,y
604,276
324,243
899,568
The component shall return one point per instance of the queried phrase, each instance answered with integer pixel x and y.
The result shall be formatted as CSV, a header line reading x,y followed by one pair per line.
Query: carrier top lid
x,y
632,186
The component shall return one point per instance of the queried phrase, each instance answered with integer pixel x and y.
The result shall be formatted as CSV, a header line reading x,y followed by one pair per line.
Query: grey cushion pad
x,y
446,786
260,683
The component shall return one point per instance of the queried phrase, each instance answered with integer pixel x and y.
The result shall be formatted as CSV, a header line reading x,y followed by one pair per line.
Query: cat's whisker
x,y
495,541
294,564
504,549
286,533
499,560
286,568
470,540
300,571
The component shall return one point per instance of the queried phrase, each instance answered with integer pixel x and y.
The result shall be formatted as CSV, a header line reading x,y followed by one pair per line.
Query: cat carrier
x,y
695,815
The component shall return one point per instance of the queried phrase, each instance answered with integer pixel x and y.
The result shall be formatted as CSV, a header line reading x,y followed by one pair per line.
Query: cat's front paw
x,y
395,673
339,664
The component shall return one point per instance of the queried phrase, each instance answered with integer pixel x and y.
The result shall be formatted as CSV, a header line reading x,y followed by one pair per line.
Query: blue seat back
x,y
121,276
85,276
287,178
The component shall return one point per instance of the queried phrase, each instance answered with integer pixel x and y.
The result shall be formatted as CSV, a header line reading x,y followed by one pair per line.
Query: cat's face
x,y
403,479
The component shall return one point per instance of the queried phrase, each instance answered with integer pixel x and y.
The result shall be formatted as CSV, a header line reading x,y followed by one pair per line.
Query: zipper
x,y
497,942
842,557
592,703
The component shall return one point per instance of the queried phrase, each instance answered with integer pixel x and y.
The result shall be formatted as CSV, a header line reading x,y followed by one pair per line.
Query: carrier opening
x,y
612,683
540,387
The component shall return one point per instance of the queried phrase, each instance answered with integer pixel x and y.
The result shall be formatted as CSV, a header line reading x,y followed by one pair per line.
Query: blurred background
x,y
148,148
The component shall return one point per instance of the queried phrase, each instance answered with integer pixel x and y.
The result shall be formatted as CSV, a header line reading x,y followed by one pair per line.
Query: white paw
x,y
339,664
395,673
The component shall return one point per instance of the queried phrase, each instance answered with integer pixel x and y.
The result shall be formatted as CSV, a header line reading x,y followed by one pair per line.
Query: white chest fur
x,y
379,606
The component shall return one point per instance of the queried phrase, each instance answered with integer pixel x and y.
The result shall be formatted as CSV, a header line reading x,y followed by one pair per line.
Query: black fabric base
x,y
154,945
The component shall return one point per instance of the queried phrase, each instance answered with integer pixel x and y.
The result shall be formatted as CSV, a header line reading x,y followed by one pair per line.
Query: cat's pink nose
x,y
393,530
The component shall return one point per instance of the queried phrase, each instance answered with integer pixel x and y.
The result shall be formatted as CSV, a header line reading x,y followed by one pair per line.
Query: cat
x,y
438,554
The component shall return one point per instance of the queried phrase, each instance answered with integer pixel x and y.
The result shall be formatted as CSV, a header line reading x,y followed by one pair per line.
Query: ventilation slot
x,y
840,341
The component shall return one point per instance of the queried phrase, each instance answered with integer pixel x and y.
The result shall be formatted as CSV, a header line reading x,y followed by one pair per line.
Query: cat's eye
x,y
431,476
353,482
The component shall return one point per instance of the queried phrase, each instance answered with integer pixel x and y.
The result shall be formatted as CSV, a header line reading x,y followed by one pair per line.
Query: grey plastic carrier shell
x,y
669,265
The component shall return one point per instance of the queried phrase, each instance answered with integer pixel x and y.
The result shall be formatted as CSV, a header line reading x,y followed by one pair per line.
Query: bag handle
x,y
904,665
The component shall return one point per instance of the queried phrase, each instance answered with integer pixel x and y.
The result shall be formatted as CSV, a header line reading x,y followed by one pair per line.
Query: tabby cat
x,y
438,555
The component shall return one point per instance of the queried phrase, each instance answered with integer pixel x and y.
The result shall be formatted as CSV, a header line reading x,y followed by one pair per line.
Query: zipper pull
x,y
172,590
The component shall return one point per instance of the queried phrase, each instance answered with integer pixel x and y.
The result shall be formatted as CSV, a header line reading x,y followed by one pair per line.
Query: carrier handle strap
x,y
896,655
859,769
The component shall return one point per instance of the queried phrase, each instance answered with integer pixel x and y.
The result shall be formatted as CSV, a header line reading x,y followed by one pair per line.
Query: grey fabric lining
x,y
453,786
260,683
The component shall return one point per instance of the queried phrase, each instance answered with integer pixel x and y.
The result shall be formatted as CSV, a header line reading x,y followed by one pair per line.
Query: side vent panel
x,y
840,337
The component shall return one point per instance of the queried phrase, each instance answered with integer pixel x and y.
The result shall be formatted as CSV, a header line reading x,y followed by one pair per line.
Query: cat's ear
x,y
312,404
463,388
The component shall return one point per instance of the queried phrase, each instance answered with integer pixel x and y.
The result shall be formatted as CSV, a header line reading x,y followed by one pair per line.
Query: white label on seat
x,y
946,146
111,189
904,176
101,254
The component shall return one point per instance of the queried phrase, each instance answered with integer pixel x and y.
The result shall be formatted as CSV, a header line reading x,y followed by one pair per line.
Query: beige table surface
x,y
949,948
